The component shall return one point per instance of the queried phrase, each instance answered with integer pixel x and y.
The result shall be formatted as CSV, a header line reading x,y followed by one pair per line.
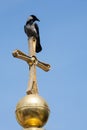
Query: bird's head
x,y
33,18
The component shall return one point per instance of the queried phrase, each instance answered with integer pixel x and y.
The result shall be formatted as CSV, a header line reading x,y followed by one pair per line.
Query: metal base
x,y
33,128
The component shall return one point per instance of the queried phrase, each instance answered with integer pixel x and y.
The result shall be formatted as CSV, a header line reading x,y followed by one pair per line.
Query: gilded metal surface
x,y
44,66
31,60
19,54
32,111
33,128
32,83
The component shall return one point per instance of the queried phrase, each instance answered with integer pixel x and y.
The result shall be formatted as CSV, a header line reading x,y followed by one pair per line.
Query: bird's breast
x,y
30,31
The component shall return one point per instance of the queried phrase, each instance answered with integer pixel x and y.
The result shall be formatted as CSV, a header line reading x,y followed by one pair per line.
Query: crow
x,y
32,29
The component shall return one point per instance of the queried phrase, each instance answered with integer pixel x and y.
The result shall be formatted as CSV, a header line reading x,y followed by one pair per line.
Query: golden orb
x,y
32,111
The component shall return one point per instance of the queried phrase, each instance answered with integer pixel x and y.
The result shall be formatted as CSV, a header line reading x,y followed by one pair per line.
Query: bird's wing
x,y
37,28
38,45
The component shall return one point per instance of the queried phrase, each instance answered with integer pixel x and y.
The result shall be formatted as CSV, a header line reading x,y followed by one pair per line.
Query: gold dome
x,y
32,111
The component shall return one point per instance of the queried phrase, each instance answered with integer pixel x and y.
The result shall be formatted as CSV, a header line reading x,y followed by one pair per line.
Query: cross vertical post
x,y
32,83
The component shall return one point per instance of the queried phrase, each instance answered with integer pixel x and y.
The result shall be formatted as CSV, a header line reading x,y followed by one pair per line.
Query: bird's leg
x,y
32,83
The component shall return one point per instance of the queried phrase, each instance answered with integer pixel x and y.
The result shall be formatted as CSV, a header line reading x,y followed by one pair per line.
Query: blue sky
x,y
63,32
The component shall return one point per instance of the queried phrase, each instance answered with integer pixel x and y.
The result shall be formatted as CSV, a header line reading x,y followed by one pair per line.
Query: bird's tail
x,y
38,45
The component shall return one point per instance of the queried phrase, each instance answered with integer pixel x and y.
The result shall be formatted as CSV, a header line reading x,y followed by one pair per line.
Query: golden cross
x,y
32,62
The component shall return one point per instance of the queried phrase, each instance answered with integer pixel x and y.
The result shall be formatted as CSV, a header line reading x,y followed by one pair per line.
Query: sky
x,y
63,34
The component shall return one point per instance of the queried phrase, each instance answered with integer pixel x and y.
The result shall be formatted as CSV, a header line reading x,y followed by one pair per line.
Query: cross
x,y
32,61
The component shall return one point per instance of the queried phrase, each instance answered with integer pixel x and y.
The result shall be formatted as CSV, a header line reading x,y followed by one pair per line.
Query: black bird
x,y
32,29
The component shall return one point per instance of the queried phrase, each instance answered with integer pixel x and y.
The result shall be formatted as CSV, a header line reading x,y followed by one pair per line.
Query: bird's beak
x,y
38,20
